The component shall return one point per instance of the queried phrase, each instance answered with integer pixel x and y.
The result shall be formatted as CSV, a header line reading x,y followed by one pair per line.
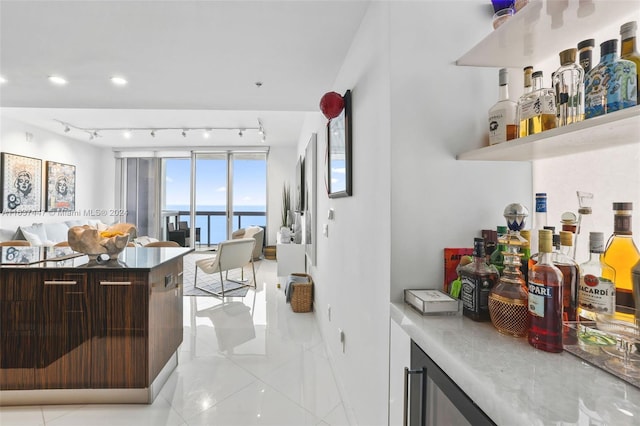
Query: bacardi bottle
x,y
502,116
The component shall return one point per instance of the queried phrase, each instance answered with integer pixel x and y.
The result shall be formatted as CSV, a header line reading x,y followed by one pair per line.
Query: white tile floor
x,y
247,361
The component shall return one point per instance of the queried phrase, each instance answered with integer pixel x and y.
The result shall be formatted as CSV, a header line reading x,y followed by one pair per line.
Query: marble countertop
x,y
514,383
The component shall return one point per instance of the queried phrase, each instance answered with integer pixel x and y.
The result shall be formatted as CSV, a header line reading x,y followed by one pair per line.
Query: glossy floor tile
x,y
243,361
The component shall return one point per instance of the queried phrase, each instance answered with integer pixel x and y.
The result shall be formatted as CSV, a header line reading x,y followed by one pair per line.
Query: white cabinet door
x,y
399,358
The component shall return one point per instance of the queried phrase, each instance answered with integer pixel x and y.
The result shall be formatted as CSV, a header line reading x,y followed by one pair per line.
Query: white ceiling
x,y
188,63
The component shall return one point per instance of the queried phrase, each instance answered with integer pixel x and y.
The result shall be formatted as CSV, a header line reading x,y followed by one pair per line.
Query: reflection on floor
x,y
243,361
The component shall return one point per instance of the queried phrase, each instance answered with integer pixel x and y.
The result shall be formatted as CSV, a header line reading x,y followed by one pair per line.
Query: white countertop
x,y
514,383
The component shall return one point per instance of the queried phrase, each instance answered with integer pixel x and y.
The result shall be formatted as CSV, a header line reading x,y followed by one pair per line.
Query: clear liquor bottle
x,y
628,49
502,116
610,85
597,292
537,110
528,87
585,50
568,82
478,278
545,299
622,254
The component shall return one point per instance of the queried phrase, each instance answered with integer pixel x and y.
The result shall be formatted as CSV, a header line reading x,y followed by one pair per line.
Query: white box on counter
x,y
431,302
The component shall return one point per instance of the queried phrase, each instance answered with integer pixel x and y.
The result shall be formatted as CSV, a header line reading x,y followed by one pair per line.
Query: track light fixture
x,y
128,132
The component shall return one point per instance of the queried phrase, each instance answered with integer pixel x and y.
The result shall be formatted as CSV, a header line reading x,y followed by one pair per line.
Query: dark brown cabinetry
x,y
89,327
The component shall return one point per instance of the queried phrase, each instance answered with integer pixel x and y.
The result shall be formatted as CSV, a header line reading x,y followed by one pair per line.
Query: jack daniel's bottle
x,y
478,277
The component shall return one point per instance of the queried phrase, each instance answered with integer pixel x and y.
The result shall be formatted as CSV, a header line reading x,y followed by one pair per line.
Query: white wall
x,y
413,111
95,169
281,168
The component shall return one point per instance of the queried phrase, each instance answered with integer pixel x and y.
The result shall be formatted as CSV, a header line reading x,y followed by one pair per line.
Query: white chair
x,y
231,254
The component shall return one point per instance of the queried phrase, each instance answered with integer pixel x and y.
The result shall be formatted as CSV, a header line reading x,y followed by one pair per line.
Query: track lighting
x,y
57,80
118,81
127,132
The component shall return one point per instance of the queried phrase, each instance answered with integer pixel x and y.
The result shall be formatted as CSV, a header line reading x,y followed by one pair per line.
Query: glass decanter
x,y
508,299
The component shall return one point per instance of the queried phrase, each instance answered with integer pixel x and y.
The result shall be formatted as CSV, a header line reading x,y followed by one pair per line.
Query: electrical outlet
x,y
341,337
329,312
331,214
325,230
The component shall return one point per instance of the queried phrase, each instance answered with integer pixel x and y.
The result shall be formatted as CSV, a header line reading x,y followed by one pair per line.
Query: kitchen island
x,y
74,331
513,383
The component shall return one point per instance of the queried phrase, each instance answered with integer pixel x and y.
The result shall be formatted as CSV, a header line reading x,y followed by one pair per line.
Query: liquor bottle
x,y
628,49
569,222
585,49
477,278
537,110
545,299
526,254
508,298
568,82
539,218
622,254
524,130
585,225
597,292
611,84
570,276
502,116
497,257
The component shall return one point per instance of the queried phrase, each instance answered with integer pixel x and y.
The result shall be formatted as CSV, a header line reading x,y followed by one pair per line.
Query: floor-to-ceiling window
x,y
220,191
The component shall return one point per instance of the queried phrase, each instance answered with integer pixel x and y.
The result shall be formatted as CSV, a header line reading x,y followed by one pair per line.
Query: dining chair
x,y
231,254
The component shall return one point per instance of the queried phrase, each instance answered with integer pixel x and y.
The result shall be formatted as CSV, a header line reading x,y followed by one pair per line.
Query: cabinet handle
x,y
54,282
115,282
405,412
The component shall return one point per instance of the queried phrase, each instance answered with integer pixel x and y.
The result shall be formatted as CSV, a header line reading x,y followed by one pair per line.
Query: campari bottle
x,y
545,298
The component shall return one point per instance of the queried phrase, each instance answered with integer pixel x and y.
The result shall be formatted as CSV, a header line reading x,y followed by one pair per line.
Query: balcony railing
x,y
175,216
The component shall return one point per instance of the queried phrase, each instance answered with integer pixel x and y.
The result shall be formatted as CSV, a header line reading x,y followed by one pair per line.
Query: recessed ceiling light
x,y
2,80
57,80
118,81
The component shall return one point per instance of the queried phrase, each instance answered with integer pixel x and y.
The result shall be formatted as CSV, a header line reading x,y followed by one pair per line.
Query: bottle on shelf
x,y
502,116
497,257
628,49
563,260
585,50
478,278
528,86
610,85
569,222
539,218
585,224
545,299
622,254
597,292
537,110
568,82
508,298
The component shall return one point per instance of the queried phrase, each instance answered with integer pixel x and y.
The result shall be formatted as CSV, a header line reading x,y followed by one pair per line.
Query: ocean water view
x,y
211,219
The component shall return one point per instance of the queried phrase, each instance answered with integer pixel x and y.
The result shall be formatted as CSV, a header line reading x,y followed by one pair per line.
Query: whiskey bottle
x,y
585,49
524,130
563,260
545,299
508,298
537,110
502,116
568,82
478,277
597,292
628,49
622,254
610,85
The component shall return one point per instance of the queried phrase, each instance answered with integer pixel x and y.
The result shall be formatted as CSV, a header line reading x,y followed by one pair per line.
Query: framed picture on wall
x,y
61,187
339,152
21,183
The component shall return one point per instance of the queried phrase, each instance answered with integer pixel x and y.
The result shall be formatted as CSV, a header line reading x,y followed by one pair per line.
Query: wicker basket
x,y
302,296
270,252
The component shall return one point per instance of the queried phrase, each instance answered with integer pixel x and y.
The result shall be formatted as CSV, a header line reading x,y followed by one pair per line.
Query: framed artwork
x,y
310,216
21,183
61,187
339,152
